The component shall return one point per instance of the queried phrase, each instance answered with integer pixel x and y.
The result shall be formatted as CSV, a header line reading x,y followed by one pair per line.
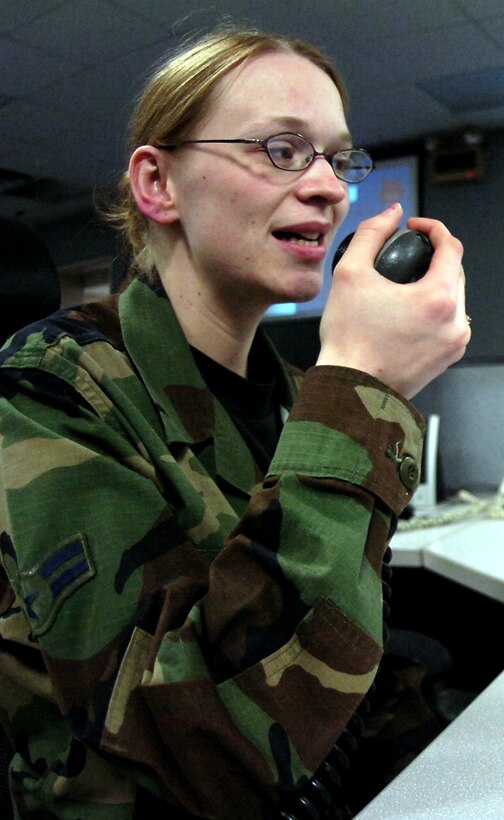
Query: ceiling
x,y
70,69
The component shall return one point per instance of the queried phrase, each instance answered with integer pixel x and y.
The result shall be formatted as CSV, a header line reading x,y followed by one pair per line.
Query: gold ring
x,y
468,319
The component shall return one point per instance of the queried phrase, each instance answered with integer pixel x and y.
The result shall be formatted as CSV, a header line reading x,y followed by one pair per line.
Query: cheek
x,y
229,204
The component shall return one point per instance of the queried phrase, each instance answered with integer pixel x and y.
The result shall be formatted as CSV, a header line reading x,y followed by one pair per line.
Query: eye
x,y
282,149
342,161
352,165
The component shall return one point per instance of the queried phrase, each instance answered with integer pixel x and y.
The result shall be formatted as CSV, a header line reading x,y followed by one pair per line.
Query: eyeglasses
x,y
292,152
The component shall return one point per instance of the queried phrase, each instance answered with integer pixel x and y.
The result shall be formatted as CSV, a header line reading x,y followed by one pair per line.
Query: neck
x,y
219,342
221,328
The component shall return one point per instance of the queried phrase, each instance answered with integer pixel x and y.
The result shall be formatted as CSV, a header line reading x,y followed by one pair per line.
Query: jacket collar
x,y
190,414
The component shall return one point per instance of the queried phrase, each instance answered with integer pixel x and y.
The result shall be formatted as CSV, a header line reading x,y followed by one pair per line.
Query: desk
x,y
470,552
459,776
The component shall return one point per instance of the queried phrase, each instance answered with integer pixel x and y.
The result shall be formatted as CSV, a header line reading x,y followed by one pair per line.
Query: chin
x,y
295,288
302,294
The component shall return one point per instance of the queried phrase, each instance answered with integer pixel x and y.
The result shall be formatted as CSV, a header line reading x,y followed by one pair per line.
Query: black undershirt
x,y
252,403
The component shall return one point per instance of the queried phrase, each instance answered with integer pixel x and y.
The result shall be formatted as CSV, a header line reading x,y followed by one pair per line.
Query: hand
x,y
405,335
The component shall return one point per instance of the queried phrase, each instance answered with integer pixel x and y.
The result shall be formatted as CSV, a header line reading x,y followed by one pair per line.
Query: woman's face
x,y
247,231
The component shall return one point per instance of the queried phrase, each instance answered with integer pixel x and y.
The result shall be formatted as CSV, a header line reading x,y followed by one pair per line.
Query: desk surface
x,y
459,776
470,552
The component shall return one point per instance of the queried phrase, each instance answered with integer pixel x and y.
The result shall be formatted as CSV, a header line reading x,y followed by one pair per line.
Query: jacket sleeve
x,y
214,677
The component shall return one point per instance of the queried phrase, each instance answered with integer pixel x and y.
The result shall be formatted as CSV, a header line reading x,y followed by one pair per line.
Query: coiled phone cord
x,y
473,507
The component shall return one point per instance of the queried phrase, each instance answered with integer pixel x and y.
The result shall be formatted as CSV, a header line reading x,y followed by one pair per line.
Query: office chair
x,y
29,283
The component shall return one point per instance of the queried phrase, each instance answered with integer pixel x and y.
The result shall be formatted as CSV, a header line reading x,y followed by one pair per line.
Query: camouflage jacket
x,y
172,621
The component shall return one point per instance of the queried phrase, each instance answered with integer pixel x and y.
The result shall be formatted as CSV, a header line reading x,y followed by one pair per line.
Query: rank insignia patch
x,y
49,583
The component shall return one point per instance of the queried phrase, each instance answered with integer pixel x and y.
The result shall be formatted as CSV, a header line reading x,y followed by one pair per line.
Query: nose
x,y
319,180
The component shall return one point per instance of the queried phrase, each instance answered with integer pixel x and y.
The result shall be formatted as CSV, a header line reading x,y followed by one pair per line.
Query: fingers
x,y
406,337
463,320
372,234
448,250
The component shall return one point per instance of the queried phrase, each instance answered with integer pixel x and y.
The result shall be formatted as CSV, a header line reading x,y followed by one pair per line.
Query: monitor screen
x,y
393,180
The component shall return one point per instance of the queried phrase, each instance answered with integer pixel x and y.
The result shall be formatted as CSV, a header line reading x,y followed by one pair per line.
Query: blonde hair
x,y
178,97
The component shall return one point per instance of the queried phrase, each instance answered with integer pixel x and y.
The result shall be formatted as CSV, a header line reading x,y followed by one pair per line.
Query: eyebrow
x,y
299,126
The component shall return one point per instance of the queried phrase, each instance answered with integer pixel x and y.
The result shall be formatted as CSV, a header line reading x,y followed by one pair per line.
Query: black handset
x,y
405,256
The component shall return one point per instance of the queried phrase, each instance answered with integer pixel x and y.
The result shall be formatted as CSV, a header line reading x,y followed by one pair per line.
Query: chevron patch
x,y
51,581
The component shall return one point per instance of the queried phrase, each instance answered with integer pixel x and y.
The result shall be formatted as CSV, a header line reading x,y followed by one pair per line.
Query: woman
x,y
192,592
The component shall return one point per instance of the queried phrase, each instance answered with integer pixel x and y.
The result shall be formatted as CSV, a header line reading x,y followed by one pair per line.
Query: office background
x,y
420,76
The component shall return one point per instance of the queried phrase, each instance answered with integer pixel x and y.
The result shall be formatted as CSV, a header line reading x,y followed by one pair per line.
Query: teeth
x,y
312,238
304,241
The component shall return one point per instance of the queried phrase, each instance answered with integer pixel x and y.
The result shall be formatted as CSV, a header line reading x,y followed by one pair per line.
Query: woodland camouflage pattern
x,y
205,632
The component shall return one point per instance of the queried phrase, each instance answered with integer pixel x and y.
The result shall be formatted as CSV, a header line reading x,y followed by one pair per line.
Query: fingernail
x,y
391,208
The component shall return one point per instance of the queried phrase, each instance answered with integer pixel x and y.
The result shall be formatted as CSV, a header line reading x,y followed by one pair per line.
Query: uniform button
x,y
408,470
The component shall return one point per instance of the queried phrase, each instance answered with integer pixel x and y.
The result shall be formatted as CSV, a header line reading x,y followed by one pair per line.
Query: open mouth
x,y
311,240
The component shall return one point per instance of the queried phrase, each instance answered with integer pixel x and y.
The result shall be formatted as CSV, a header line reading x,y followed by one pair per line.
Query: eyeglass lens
x,y
294,153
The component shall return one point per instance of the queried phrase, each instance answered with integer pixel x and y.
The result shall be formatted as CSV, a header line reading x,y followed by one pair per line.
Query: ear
x,y
151,184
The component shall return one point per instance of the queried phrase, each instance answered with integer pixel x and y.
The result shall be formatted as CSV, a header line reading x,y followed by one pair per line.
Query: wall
x,y
474,212
469,399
